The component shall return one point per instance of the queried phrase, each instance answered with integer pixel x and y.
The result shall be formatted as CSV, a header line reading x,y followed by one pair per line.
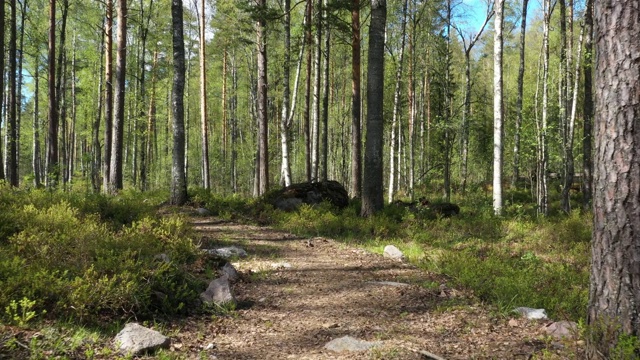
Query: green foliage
x,y
20,312
78,265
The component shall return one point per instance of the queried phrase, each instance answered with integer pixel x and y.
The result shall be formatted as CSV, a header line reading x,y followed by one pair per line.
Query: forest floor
x,y
296,294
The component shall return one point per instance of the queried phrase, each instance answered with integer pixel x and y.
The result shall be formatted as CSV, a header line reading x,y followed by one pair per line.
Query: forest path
x,y
297,294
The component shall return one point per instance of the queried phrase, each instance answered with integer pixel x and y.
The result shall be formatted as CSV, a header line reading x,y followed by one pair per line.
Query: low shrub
x,y
76,265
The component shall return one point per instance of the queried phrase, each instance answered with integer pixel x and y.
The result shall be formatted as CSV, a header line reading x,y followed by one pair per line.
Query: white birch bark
x,y
497,108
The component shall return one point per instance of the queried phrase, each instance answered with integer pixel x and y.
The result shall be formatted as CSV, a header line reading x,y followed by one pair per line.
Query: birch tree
x,y
498,111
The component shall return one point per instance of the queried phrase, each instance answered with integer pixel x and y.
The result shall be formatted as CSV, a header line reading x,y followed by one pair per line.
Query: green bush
x,y
76,265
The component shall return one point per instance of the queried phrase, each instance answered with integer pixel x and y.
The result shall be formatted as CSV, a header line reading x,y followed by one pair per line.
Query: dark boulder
x,y
311,193
443,209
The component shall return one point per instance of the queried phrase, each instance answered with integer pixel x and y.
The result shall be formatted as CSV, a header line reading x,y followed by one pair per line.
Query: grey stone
x,y
393,252
388,283
227,252
281,265
532,314
562,330
136,339
162,258
203,212
230,272
219,292
348,343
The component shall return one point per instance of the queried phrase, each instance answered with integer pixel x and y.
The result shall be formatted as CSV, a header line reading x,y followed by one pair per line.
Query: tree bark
x,y
263,125
2,65
117,136
317,82
307,105
35,159
285,168
53,172
372,191
541,187
324,138
12,131
614,294
498,110
108,97
393,155
206,178
178,176
356,111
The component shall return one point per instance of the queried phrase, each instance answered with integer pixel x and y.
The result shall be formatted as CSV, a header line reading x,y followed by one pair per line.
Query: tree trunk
x,y
614,294
372,191
2,65
233,119
117,136
285,168
95,163
263,124
325,97
307,105
393,155
206,178
317,82
12,131
542,193
516,141
356,135
178,177
108,97
498,111
53,172
36,125
587,109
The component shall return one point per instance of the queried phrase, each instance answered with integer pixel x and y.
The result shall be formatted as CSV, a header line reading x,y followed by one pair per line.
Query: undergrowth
x,y
89,257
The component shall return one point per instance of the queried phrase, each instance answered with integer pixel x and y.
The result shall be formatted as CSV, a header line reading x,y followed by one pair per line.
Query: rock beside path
x,y
348,343
532,314
136,339
219,292
393,252
227,252
562,330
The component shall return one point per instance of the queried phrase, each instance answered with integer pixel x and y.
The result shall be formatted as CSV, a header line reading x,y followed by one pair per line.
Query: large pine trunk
x,y
178,176
615,267
587,109
117,135
372,190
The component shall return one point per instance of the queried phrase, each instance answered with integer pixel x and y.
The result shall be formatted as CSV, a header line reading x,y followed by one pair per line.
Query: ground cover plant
x,y
88,258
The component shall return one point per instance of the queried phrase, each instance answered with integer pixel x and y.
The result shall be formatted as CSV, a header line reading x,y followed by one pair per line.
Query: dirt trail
x,y
297,294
